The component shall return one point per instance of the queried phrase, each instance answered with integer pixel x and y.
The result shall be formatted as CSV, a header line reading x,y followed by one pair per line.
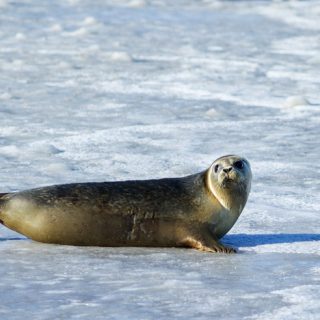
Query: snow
x,y
112,90
294,101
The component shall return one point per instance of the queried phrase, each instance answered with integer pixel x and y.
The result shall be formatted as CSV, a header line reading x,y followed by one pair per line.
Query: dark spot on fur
x,y
1,222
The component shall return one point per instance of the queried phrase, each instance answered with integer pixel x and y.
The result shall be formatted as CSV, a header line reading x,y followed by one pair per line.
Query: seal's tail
x,y
1,200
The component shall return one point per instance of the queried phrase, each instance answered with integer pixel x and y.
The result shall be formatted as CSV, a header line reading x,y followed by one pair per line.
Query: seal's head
x,y
229,179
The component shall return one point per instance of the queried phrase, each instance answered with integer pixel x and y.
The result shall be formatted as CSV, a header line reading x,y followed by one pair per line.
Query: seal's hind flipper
x,y
4,197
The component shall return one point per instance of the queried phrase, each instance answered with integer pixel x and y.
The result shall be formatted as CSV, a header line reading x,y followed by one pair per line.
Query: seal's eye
x,y
238,164
216,167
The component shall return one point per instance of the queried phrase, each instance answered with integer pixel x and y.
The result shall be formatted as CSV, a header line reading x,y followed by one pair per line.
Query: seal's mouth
x,y
227,181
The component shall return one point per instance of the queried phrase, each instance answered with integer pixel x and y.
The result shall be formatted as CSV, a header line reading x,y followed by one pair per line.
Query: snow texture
x,y
112,90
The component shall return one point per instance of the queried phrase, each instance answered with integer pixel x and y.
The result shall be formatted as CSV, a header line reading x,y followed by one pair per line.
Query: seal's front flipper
x,y
207,246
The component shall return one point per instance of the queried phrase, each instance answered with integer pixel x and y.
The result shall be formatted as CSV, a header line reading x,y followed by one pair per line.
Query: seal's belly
x,y
82,224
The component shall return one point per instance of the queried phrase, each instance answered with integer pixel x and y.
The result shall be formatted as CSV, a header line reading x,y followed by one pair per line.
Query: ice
x,y
118,56
113,90
3,3
55,28
89,21
294,101
81,32
20,36
300,299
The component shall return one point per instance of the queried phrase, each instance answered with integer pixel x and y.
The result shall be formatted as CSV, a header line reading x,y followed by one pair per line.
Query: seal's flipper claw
x,y
220,248
214,247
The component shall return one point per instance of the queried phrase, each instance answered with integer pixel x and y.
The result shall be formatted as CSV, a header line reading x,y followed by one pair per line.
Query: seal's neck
x,y
232,199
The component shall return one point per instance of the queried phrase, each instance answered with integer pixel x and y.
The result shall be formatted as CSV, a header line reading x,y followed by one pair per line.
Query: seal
x,y
192,211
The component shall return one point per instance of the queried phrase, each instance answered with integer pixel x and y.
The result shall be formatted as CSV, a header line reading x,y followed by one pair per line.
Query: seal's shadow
x,y
249,240
253,240
10,239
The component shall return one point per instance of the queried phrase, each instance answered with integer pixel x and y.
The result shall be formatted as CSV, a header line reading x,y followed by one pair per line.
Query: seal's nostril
x,y
227,169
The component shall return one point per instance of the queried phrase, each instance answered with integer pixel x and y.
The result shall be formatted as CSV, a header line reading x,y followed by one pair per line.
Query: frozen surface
x,y
111,90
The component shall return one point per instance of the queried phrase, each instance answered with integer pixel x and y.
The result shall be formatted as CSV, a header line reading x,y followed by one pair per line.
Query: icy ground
x,y
111,90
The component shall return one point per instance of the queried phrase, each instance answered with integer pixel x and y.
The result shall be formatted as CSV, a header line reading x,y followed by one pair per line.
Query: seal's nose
x,y
227,170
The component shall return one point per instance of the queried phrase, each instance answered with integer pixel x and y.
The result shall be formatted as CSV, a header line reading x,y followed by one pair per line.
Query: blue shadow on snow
x,y
249,240
9,239
252,240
